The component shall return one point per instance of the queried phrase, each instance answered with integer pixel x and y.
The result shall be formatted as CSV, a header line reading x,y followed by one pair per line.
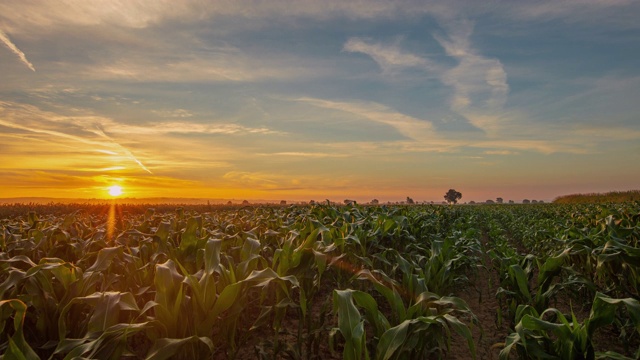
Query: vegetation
x,y
452,196
319,281
599,198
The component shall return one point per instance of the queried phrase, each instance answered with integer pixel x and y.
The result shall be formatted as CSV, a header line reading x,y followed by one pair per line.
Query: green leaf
x,y
166,348
18,346
350,324
105,256
392,340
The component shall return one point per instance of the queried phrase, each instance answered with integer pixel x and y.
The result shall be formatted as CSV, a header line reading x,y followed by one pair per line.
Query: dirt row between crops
x,y
481,298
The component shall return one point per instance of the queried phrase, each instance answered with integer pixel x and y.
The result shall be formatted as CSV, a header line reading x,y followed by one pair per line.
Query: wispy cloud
x,y
410,127
252,179
146,13
388,57
475,76
479,83
177,113
7,42
302,154
178,127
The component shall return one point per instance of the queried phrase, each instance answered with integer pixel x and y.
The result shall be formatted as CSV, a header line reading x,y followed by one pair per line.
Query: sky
x,y
332,99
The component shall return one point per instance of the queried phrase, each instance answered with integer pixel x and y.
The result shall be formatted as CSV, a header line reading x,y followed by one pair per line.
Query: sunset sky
x,y
312,99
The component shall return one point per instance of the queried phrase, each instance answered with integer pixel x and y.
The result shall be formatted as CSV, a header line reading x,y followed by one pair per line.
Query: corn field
x,y
319,282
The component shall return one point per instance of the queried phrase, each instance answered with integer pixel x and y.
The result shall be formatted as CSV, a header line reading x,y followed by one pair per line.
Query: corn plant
x,y
16,346
551,334
425,329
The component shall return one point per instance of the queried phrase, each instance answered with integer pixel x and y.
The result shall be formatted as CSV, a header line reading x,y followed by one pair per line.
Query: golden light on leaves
x,y
115,190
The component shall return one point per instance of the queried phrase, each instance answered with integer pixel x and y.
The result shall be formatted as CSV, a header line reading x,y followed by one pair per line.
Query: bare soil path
x,y
481,298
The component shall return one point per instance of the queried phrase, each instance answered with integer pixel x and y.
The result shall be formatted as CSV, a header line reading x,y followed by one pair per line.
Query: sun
x,y
115,190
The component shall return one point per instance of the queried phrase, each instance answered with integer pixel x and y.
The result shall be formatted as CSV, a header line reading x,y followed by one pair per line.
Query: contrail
x,y
129,154
5,39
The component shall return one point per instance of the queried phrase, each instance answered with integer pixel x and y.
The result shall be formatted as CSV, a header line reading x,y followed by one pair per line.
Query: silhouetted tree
x,y
489,202
452,196
374,202
511,202
526,201
245,202
499,200
283,202
410,200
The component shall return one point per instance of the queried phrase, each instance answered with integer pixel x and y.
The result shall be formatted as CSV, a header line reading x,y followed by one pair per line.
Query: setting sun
x,y
115,190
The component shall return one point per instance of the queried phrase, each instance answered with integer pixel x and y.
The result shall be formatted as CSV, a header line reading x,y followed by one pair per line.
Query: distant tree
x,y
245,202
452,196
511,202
534,201
499,200
489,202
471,202
229,202
410,200
312,202
283,202
526,201
346,202
540,201
374,202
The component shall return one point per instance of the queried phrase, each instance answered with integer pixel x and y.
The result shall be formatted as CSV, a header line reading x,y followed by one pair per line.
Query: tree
x,y
452,196
526,201
410,200
374,202
499,200
283,202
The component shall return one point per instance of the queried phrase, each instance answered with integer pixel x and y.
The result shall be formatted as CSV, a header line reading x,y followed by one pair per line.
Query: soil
x,y
481,298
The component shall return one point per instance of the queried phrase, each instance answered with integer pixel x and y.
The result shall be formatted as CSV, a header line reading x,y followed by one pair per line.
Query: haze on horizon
x,y
308,99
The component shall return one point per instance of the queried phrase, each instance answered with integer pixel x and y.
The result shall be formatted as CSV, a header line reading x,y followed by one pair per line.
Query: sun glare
x,y
115,190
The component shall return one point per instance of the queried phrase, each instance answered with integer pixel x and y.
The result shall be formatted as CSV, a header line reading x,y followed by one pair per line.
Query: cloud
x,y
501,152
479,83
177,113
408,126
7,42
184,127
252,179
388,57
39,139
303,154
573,10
